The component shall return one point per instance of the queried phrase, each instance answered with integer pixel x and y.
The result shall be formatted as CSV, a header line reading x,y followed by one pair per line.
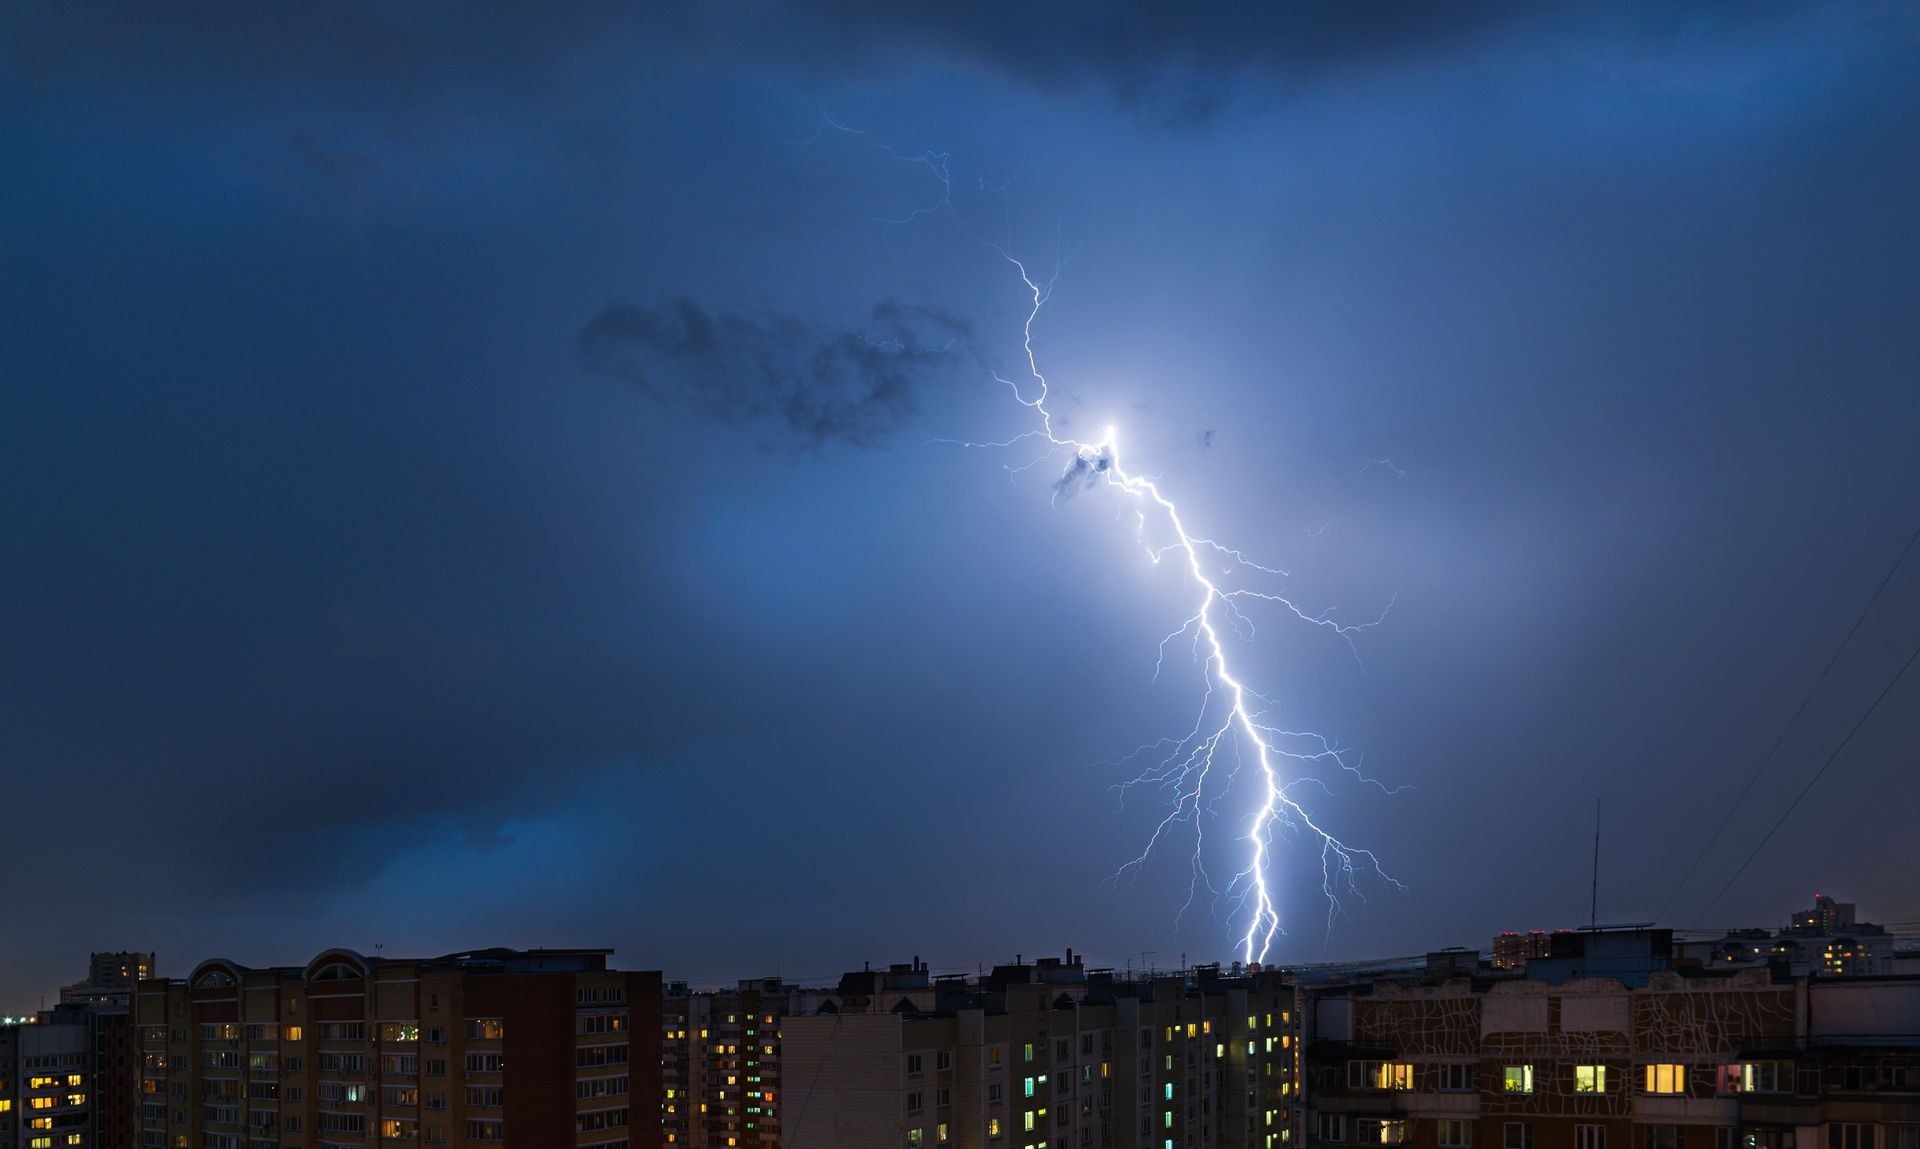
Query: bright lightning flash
x,y
1187,765
1232,726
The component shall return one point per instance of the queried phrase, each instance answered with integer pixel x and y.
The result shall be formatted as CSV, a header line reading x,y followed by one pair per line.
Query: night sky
x,y
469,475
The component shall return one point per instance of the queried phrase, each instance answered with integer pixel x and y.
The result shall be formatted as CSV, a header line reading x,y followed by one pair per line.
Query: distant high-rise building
x,y
1825,919
1512,950
547,1049
111,978
1827,939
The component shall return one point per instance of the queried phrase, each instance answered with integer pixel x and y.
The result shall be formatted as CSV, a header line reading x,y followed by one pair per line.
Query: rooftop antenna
x,y
1593,901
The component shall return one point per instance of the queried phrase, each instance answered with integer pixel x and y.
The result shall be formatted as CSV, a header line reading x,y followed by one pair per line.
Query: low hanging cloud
x,y
1087,470
819,384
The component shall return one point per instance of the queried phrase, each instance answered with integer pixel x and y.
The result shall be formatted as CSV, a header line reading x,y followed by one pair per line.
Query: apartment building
x,y
1848,1079
47,1082
1609,1043
490,1049
66,1073
1049,1055
721,1067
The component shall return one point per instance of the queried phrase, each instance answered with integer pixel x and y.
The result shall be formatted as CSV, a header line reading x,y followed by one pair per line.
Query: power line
x,y
1788,728
1878,699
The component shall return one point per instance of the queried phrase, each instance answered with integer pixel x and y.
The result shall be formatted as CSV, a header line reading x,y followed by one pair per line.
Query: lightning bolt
x,y
1232,717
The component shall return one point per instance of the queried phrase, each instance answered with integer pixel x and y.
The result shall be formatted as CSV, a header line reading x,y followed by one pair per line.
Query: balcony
x,y
1366,1102
1686,1110
1778,1109
1453,1103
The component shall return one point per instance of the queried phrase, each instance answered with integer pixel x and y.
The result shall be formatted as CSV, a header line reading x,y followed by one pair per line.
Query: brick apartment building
x,y
533,1049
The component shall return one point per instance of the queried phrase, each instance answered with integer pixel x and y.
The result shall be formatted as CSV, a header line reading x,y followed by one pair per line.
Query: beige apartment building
x,y
1050,1056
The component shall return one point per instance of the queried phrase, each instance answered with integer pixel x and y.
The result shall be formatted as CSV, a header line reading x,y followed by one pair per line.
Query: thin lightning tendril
x,y
1183,774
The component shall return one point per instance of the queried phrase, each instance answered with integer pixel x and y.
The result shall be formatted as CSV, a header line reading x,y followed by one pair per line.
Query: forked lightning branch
x,y
1237,748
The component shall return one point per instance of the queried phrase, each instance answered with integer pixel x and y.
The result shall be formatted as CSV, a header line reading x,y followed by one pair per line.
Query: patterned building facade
x,y
1603,1056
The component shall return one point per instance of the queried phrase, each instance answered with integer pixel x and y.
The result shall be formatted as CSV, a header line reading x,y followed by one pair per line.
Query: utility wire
x,y
1878,699
1787,729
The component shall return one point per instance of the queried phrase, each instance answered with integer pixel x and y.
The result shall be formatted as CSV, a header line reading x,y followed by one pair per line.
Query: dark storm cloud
x,y
823,385
1172,62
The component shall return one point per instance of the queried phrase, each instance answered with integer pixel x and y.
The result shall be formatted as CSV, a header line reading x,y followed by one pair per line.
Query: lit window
x,y
1517,1079
1666,1078
1589,1079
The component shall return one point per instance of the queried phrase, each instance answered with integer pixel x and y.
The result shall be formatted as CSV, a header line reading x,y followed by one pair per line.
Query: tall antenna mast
x,y
1593,903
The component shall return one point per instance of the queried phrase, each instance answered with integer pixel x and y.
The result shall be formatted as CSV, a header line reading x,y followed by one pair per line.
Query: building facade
x,y
47,1079
67,1073
720,1070
1050,1055
488,1049
1617,1047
